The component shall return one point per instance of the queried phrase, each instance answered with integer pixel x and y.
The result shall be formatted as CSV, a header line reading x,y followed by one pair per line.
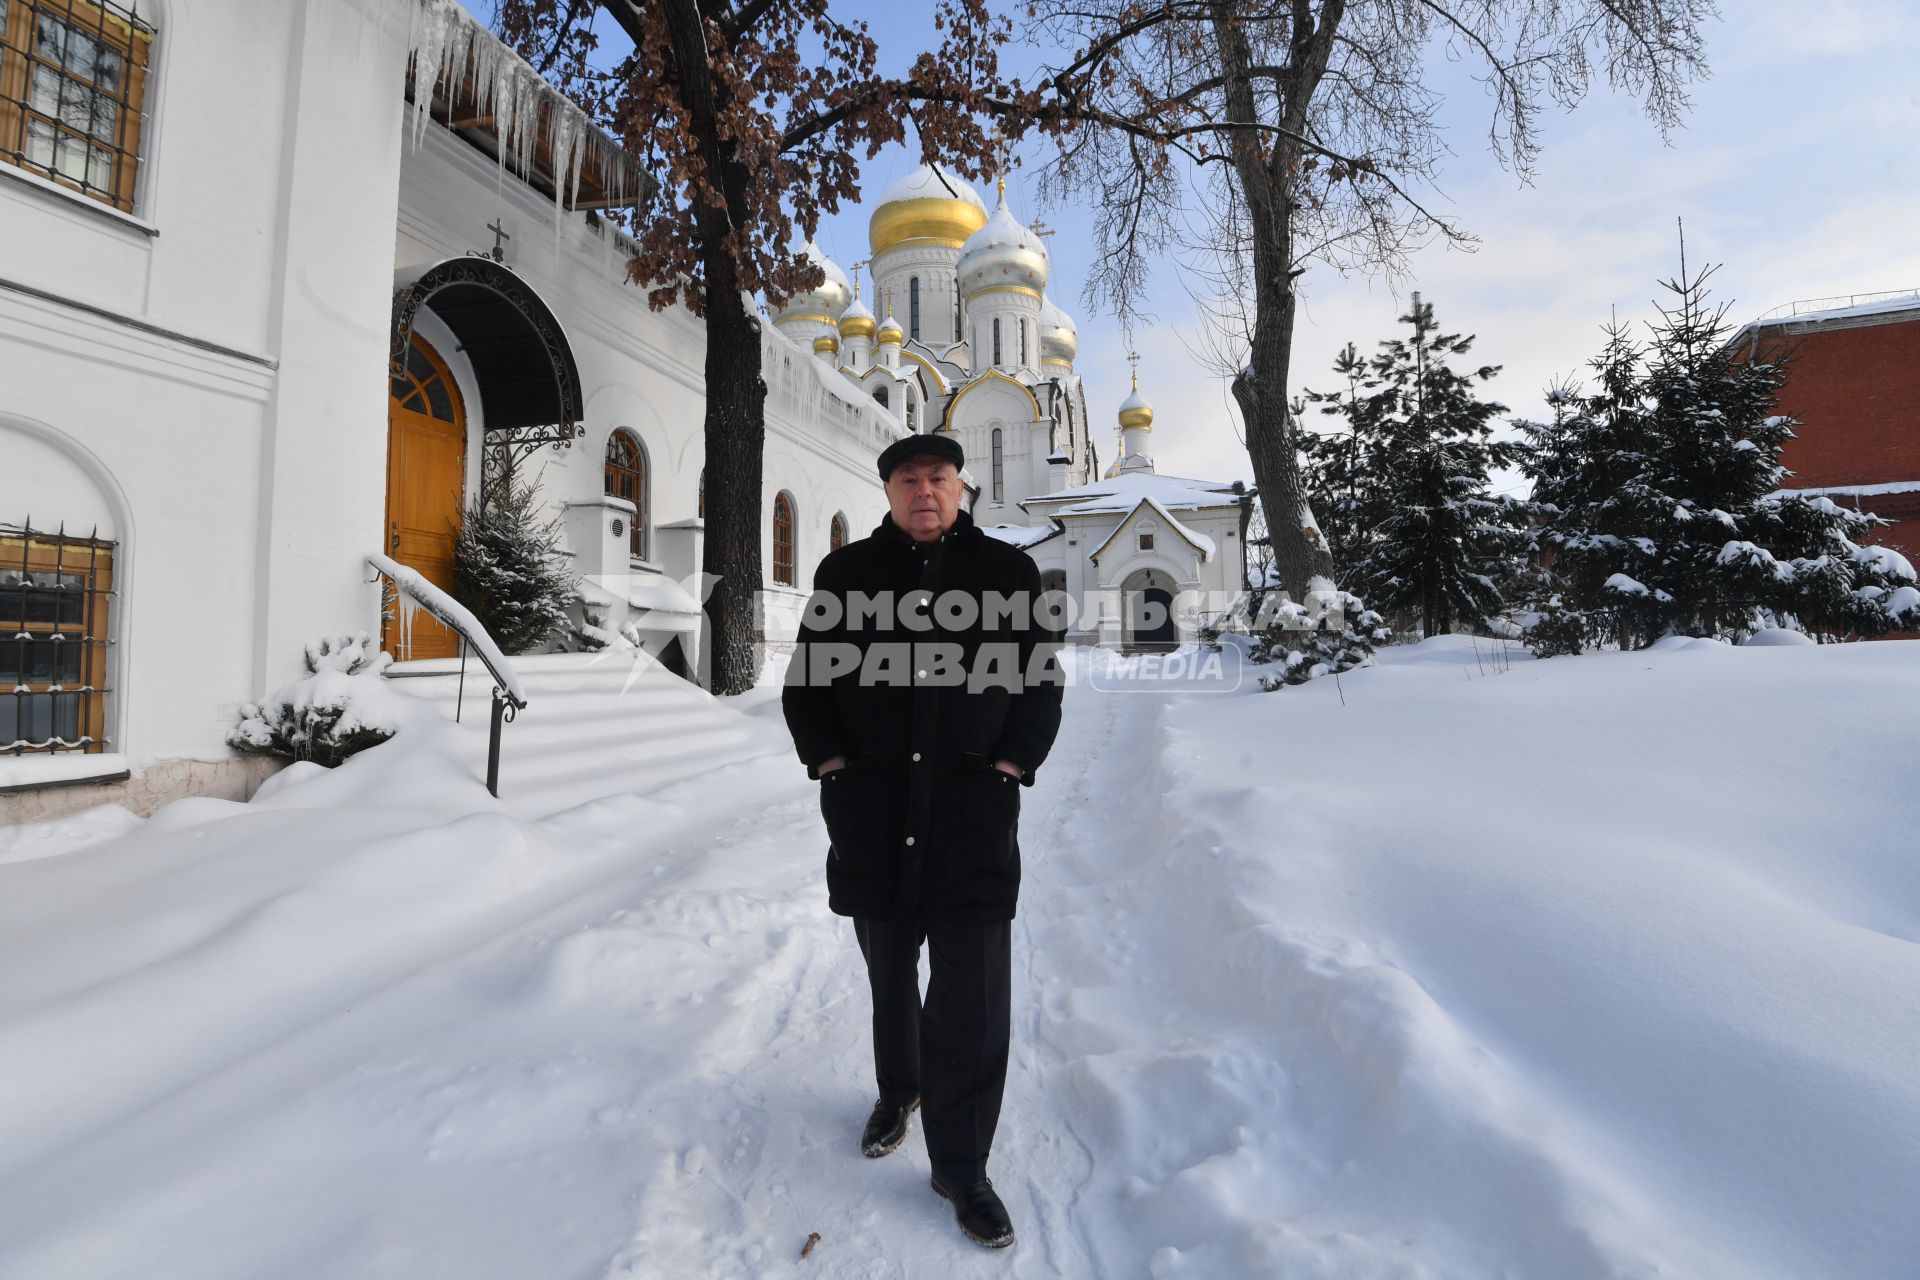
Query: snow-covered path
x,y
1302,988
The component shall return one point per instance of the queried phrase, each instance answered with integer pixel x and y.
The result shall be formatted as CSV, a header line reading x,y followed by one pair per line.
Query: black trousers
x,y
951,1052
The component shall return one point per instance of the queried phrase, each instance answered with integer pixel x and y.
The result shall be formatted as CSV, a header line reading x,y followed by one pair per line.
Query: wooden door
x,y
426,471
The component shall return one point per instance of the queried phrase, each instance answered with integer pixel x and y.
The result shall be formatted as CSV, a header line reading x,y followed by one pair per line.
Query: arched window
x,y
783,526
1023,344
880,394
627,478
913,307
957,325
913,415
837,532
996,339
703,493
999,469
56,595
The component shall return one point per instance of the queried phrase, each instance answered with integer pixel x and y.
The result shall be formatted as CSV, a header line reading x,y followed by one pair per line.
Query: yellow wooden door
x,y
426,471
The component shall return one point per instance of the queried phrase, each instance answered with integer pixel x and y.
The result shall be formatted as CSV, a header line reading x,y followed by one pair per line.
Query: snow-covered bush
x,y
339,707
1556,630
1333,631
509,568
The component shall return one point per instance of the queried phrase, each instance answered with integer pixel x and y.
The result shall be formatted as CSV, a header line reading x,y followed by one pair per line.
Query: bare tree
x,y
1291,131
753,117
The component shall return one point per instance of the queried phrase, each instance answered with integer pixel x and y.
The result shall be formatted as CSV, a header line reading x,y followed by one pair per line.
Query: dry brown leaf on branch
x,y
813,1238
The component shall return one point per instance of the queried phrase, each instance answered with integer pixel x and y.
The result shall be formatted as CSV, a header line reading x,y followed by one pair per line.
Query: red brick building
x,y
1853,384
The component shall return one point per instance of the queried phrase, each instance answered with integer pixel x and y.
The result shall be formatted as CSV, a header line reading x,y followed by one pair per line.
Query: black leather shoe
x,y
886,1127
977,1208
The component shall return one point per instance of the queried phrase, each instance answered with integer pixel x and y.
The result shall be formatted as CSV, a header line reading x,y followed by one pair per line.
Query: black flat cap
x,y
940,446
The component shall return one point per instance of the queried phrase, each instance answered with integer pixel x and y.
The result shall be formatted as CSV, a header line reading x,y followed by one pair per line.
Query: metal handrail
x,y
506,706
1840,302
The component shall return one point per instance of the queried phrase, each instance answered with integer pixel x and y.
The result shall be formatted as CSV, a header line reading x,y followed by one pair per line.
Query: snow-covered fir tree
x,y
510,570
1412,521
1660,509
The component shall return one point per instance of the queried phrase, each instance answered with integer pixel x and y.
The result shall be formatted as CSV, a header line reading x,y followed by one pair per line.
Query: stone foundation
x,y
157,784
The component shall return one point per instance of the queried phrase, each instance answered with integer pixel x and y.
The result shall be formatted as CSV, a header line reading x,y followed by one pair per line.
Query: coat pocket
x,y
857,810
986,817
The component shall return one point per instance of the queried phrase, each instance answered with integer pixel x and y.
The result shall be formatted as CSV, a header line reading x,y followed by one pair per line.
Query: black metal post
x,y
460,697
493,744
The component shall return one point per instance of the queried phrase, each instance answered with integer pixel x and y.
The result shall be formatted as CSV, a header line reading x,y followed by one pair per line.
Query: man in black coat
x,y
923,694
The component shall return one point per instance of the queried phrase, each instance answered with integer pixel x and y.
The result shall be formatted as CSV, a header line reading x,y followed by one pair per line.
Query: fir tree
x,y
1413,521
510,570
1661,506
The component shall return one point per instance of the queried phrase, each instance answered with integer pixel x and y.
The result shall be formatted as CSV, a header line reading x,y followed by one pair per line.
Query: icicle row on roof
x,y
447,45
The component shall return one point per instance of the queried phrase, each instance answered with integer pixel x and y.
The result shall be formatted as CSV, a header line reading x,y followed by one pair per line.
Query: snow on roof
x,y
1850,490
1019,535
1883,304
924,184
1123,493
1200,541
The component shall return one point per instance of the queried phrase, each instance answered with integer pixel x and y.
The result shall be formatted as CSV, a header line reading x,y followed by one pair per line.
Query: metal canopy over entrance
x,y
529,385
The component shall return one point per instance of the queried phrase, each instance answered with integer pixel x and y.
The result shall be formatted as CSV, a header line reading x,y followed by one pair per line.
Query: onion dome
x,y
826,344
1003,255
930,207
890,330
857,320
1135,411
823,303
1059,337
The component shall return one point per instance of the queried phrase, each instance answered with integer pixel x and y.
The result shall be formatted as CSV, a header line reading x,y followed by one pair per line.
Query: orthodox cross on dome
x,y
500,237
1039,228
1133,358
859,267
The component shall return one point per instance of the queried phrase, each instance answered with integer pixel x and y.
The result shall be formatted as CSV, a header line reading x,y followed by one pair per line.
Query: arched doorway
x,y
426,470
1147,601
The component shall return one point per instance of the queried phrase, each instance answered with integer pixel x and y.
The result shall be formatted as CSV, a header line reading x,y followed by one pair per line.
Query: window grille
x,y
73,84
627,478
996,339
783,572
55,594
913,307
999,469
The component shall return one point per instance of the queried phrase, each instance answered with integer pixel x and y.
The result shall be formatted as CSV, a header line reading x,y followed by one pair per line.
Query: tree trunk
x,y
1261,390
736,424
1266,176
735,440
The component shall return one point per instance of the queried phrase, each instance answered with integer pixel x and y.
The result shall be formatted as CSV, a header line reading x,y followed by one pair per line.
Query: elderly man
x,y
923,695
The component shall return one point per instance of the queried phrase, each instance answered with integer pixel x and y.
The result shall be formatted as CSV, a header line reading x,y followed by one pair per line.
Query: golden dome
x,y
1003,254
1134,410
926,208
822,303
890,331
857,320
826,342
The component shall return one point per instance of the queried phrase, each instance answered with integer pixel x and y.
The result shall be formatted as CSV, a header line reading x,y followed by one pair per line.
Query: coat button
x,y
909,839
916,757
923,675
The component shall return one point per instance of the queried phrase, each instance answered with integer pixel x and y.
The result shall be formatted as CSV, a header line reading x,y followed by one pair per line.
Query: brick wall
x,y
1854,386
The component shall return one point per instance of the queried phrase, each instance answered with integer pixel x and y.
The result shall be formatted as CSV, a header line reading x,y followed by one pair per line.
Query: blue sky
x,y
1798,169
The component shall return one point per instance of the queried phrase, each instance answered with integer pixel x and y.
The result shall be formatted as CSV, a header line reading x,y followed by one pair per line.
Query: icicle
x,y
447,45
408,608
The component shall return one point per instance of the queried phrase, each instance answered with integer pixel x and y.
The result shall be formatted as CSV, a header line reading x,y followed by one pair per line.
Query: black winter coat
x,y
922,825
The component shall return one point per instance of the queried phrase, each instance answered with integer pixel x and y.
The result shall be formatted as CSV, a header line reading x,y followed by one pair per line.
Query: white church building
x,y
278,280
